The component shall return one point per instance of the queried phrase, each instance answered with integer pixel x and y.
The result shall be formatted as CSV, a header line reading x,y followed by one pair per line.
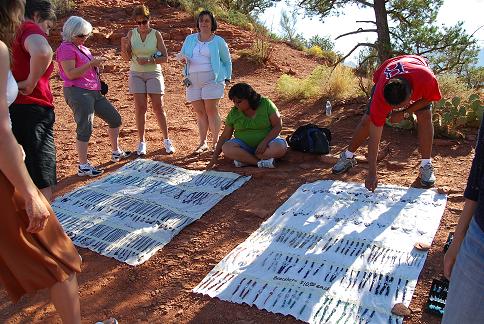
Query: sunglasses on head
x,y
142,22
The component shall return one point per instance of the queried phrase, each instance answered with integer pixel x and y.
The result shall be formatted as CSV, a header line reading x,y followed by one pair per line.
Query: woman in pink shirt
x,y
80,72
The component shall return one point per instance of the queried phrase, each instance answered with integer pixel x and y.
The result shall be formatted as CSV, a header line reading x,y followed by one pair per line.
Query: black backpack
x,y
310,138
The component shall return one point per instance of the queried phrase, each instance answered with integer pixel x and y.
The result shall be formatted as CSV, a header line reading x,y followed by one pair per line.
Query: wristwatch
x,y
406,114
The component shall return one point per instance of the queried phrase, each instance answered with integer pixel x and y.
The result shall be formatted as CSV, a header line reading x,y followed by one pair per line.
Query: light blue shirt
x,y
219,56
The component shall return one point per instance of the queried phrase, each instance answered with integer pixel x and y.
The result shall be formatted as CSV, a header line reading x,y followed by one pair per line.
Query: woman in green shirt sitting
x,y
255,123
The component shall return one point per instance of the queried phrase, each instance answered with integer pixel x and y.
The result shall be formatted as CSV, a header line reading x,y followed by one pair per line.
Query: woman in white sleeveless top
x,y
144,47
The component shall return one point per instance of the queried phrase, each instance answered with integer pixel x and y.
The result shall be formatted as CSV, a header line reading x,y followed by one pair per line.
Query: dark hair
x,y
43,8
11,15
141,10
212,18
396,91
245,91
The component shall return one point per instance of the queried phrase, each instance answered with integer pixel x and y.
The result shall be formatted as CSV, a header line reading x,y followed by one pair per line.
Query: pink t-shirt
x,y
68,51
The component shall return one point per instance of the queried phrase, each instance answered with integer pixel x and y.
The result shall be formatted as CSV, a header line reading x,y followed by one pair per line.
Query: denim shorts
x,y
250,149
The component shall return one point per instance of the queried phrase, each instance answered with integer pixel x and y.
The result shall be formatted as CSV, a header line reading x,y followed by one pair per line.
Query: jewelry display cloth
x,y
135,211
333,253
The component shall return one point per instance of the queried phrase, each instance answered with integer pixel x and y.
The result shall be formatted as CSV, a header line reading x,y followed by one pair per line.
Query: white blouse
x,y
12,88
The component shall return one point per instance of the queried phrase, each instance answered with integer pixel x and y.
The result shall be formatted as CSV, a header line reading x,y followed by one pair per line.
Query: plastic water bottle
x,y
328,108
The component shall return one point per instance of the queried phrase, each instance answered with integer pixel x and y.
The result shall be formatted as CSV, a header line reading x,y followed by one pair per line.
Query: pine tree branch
x,y
354,48
359,30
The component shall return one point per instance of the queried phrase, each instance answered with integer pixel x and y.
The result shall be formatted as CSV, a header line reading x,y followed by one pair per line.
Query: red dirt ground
x,y
159,291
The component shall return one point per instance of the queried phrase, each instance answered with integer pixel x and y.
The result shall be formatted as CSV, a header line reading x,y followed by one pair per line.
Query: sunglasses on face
x,y
142,22
82,36
237,101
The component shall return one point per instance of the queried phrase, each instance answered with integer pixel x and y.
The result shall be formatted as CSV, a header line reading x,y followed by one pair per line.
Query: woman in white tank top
x,y
144,47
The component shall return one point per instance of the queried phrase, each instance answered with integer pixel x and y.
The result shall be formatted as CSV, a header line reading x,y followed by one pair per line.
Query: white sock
x,y
425,161
349,155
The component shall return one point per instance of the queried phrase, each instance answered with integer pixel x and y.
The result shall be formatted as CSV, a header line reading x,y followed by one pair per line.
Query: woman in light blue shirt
x,y
208,67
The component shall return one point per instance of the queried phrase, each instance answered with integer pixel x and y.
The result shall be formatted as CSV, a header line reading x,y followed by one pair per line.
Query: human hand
x,y
26,87
450,257
371,182
97,61
181,58
37,213
396,117
261,148
211,164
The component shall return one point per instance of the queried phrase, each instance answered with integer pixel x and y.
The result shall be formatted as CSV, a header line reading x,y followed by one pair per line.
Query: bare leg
x,y
65,297
202,121
157,102
114,136
140,105
425,132
361,133
82,151
234,152
274,150
214,122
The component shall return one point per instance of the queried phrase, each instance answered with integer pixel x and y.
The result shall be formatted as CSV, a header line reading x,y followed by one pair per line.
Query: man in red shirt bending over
x,y
403,85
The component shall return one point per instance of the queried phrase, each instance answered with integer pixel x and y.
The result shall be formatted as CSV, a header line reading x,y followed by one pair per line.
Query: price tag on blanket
x,y
133,212
333,253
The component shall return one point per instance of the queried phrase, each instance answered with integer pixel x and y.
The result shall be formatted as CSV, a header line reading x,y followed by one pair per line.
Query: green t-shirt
x,y
252,130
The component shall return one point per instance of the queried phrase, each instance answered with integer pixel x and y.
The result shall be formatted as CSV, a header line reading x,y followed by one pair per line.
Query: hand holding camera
x,y
97,61
181,58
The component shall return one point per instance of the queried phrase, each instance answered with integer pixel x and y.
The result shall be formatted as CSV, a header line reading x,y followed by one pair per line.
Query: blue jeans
x,y
465,299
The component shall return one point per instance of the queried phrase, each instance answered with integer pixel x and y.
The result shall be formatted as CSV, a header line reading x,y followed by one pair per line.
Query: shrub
x,y
452,86
315,51
323,82
62,7
451,115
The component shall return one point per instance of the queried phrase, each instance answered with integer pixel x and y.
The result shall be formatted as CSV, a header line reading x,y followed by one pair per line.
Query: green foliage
x,y
63,7
323,42
261,49
453,86
451,115
247,7
329,56
323,82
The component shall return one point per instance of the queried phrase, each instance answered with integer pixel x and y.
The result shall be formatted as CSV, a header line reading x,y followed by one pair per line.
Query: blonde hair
x,y
11,15
141,10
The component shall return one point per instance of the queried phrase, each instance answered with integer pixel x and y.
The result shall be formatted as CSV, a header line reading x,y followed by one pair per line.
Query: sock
x,y
425,161
118,151
349,155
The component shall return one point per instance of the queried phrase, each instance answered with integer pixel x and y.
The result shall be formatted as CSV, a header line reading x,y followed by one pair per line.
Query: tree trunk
x,y
383,42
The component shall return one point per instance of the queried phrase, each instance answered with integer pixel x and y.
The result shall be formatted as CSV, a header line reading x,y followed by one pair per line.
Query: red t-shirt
x,y
21,68
414,69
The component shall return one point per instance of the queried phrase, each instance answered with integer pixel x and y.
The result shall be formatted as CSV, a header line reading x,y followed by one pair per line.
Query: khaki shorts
x,y
146,82
204,87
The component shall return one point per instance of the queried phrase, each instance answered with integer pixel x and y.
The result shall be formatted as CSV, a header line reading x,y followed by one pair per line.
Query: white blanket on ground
x,y
133,212
333,253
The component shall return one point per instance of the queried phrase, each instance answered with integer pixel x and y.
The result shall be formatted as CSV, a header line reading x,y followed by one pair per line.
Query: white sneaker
x,y
170,149
141,148
88,170
239,164
118,156
269,163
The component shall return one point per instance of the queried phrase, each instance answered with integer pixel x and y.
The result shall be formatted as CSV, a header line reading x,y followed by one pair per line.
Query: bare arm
x,y
126,52
276,122
397,117
460,232
70,70
160,45
40,59
11,159
225,136
371,181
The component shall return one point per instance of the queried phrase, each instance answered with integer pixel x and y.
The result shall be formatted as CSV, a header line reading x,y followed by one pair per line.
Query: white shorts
x,y
203,86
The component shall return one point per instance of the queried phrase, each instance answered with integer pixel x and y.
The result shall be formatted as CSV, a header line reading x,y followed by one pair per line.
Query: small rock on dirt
x,y
401,310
